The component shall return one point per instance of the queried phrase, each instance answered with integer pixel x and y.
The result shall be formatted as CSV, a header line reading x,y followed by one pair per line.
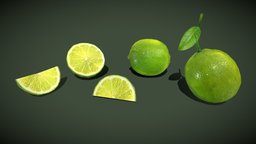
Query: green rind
x,y
212,76
144,59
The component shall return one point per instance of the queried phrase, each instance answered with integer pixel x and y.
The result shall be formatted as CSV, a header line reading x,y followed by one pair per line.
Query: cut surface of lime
x,y
85,59
115,87
40,83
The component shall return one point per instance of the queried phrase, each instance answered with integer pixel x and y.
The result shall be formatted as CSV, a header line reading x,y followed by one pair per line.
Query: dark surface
x,y
36,36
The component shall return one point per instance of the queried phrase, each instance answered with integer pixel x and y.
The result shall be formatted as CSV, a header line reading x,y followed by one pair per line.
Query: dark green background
x,y
37,35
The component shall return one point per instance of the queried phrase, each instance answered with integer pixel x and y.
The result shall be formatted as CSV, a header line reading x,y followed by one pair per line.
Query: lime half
x,y
115,87
85,59
40,83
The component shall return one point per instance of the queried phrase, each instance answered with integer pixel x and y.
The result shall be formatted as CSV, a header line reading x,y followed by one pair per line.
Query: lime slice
x,y
115,87
85,59
40,83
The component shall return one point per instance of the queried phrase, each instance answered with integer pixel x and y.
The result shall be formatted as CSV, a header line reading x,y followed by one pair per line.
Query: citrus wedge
x,y
85,59
40,83
115,87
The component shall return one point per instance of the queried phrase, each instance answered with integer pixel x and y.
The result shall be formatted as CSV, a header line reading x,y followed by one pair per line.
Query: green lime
x,y
40,83
115,87
149,57
212,75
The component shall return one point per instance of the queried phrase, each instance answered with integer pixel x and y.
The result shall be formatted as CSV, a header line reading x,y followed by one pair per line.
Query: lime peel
x,y
149,57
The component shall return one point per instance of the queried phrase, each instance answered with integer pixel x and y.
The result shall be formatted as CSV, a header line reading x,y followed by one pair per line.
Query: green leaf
x,y
190,38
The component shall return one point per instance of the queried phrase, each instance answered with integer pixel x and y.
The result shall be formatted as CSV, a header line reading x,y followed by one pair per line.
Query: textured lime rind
x,y
149,57
212,75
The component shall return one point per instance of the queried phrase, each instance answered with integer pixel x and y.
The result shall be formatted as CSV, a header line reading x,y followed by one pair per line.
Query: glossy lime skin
x,y
149,57
212,75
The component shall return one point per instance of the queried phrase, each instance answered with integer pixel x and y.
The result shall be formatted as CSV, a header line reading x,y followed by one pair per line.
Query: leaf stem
x,y
198,47
199,25
200,19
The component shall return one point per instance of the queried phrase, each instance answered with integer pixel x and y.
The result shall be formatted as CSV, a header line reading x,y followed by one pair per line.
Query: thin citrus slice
x,y
115,87
40,83
85,59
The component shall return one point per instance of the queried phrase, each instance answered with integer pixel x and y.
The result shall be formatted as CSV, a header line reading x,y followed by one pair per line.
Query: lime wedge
x,y
40,83
115,87
85,59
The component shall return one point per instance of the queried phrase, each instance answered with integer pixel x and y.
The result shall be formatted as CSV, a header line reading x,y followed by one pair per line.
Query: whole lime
x,y
149,57
212,75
